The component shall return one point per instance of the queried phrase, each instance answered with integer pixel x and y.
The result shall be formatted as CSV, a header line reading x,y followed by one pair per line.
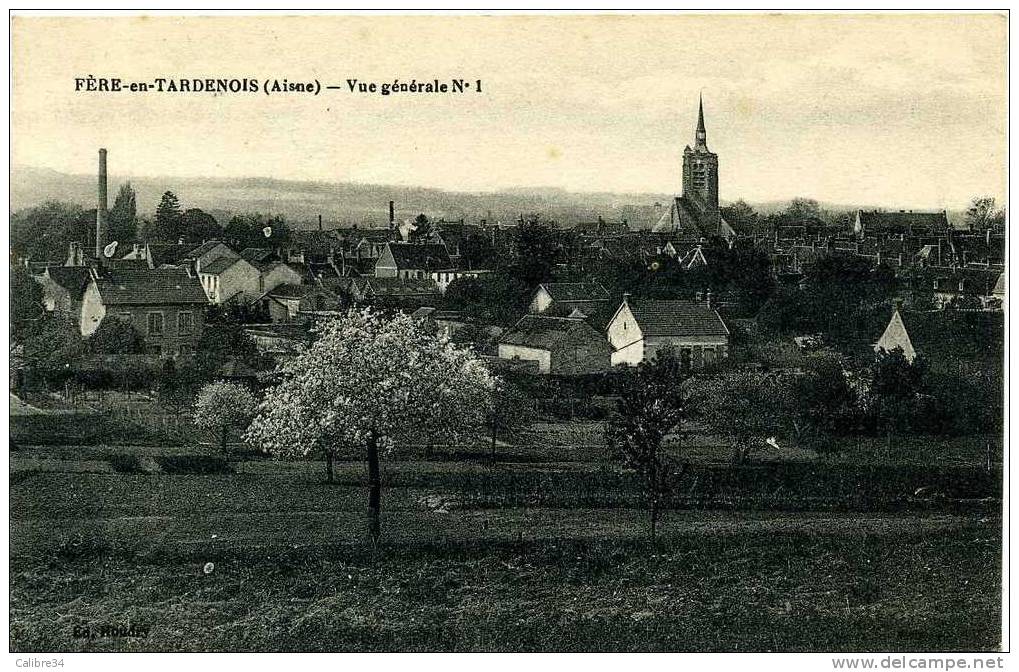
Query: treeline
x,y
42,233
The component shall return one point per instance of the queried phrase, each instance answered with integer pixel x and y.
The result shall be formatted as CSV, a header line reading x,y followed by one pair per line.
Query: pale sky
x,y
886,110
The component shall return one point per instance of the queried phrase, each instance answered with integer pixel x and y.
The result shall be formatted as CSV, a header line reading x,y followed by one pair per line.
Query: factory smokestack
x,y
392,215
102,224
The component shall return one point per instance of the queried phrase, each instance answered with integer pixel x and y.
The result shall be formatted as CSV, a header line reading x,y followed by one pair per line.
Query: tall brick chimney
x,y
392,215
102,216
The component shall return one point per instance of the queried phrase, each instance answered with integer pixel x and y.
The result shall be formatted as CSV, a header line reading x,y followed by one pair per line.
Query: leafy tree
x,y
54,342
492,298
221,406
536,253
983,214
168,214
476,252
368,379
26,301
511,411
824,402
653,407
124,215
198,225
895,386
745,407
43,232
223,339
803,209
422,227
115,336
248,230
742,216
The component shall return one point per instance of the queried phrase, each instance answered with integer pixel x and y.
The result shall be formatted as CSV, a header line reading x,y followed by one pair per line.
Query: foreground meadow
x,y
542,549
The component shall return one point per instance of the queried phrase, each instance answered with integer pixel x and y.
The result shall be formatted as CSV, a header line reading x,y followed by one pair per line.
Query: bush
x,y
125,464
194,464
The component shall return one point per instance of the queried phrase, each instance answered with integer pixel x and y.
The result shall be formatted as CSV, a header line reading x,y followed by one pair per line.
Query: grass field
x,y
545,549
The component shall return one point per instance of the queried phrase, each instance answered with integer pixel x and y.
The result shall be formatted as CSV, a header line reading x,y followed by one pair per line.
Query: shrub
x,y
125,464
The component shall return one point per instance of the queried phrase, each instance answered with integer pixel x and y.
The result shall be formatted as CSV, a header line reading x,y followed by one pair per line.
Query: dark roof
x,y
903,221
157,286
677,318
72,278
428,257
288,291
601,227
257,255
398,286
205,247
127,264
542,332
576,291
219,264
166,253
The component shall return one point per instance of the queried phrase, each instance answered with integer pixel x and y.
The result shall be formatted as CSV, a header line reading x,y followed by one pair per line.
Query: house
x,y
63,288
166,306
409,292
286,303
639,328
208,252
584,296
559,345
272,271
895,337
413,260
229,278
903,222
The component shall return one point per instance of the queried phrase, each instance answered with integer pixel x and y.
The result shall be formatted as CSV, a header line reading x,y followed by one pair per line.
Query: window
x,y
156,350
261,284
155,324
126,317
185,323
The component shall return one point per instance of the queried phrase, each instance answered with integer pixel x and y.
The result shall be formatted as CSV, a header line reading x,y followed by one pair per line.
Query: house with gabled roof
x,y
586,296
412,260
286,302
229,278
63,288
558,345
208,252
421,261
903,222
166,306
693,329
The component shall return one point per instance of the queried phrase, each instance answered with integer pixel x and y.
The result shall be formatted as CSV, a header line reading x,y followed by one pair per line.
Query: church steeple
x,y
700,169
702,135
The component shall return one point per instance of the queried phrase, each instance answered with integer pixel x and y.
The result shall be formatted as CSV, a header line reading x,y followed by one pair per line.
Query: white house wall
x,y
542,357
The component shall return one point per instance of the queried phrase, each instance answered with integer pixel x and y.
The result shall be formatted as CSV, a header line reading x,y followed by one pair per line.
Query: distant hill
x,y
346,204
340,204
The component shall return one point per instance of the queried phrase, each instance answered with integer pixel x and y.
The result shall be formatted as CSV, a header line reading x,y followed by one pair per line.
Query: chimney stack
x,y
102,227
320,222
392,215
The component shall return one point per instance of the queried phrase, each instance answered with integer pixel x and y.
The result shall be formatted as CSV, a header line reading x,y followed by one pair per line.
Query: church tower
x,y
700,169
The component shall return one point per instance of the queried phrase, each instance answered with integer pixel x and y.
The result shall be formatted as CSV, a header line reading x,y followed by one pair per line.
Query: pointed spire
x,y
702,135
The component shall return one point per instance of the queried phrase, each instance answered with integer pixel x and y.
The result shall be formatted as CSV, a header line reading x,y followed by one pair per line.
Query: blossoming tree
x,y
223,405
369,381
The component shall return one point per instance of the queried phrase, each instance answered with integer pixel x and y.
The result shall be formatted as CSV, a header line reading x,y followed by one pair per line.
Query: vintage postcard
x,y
590,332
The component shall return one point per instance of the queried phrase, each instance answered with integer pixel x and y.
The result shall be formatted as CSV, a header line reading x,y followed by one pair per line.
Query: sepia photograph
x,y
439,332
